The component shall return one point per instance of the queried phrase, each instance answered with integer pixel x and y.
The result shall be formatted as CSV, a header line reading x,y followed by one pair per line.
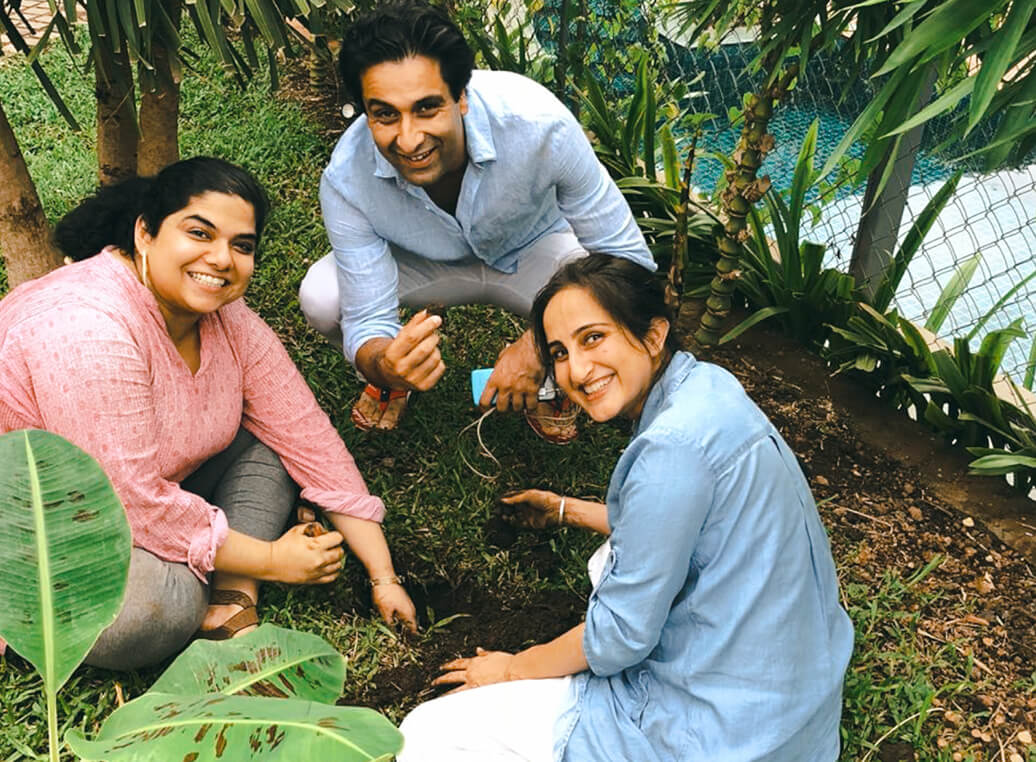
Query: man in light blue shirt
x,y
455,187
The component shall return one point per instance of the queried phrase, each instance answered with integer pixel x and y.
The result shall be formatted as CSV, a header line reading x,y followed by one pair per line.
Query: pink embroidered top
x,y
84,353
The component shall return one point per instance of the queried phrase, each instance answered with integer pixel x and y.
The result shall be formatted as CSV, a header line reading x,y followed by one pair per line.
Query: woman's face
x,y
202,256
597,362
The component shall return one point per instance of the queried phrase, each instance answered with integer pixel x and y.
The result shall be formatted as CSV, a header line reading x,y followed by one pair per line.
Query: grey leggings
x,y
165,602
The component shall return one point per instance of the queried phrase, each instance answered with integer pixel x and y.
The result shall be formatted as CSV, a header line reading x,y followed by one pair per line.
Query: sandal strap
x,y
222,597
384,395
244,618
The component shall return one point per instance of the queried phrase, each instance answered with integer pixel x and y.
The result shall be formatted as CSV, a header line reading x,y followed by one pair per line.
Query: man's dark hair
x,y
630,293
400,29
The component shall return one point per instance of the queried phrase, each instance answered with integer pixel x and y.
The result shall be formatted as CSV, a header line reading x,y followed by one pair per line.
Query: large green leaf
x,y
914,237
64,552
996,465
951,293
944,27
270,661
160,727
997,62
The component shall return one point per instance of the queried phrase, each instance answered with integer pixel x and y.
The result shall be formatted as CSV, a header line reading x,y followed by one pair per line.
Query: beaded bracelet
x,y
393,580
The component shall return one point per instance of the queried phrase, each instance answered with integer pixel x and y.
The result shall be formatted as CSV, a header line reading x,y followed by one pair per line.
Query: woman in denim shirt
x,y
713,631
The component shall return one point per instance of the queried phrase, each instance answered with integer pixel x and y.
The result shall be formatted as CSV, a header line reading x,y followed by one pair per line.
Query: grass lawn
x,y
439,488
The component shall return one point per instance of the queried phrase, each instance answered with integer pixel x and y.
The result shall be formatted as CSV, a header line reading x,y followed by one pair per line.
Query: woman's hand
x,y
484,668
300,559
395,605
533,508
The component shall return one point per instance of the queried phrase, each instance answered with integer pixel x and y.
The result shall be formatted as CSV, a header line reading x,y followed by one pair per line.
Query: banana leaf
x,y
270,661
215,728
64,552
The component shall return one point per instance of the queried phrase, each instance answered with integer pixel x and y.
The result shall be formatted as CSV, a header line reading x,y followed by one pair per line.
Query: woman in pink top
x,y
143,353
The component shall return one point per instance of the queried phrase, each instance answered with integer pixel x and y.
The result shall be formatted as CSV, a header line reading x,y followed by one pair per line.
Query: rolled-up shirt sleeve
x,y
659,511
368,280
280,409
591,201
92,385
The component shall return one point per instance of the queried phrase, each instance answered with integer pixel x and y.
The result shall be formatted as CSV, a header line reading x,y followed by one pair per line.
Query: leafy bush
x,y
788,280
64,560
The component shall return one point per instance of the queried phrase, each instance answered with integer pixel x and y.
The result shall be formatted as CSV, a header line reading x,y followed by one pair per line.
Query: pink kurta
x,y
84,353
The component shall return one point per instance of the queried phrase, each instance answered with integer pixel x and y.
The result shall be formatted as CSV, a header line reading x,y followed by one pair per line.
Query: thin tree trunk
x,y
160,110
24,232
744,189
116,116
159,123
674,283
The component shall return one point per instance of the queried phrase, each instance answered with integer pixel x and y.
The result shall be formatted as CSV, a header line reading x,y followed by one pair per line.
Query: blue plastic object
x,y
479,378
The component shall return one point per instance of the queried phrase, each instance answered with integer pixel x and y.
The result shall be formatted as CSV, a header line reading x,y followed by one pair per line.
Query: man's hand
x,y
516,377
409,361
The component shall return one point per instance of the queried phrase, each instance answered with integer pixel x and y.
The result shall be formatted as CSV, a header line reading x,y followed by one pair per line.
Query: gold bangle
x,y
393,580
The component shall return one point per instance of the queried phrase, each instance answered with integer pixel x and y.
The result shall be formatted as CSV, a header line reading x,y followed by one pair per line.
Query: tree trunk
x,y
744,189
159,122
160,110
116,116
24,232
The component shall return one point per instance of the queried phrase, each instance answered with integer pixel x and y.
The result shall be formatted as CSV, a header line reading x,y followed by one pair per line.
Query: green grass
x,y
437,504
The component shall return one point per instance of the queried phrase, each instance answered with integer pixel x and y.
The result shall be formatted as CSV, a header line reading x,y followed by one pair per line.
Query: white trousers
x,y
424,281
505,722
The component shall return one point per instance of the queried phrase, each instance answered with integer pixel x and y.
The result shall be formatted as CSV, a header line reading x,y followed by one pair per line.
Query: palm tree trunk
x,y
24,232
116,116
744,188
159,122
160,110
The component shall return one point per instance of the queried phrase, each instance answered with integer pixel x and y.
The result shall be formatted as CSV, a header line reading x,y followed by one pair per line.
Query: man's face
x,y
415,121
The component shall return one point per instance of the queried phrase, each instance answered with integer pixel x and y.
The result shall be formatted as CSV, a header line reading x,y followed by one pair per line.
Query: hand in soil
x,y
394,604
531,508
484,668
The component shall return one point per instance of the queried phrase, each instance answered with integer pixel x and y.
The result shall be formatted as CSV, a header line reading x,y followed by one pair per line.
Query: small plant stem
x,y
674,285
52,723
865,515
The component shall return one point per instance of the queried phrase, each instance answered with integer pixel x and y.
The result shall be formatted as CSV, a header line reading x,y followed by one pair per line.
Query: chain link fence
x,y
990,214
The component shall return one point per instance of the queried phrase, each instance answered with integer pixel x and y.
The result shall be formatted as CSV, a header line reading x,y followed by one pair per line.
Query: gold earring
x,y
143,267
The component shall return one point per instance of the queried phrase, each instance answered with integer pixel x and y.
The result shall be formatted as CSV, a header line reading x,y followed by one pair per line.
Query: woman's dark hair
x,y
631,294
400,29
108,217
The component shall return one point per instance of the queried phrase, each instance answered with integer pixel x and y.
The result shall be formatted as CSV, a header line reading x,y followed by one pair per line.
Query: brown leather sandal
x,y
558,426
369,409
246,617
